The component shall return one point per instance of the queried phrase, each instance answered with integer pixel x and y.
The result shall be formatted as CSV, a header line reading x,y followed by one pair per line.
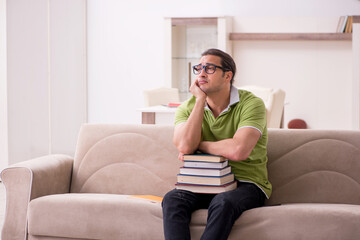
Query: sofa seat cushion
x,y
110,216
95,216
291,221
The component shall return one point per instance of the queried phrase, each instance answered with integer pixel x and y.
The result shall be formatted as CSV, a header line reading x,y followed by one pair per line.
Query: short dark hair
x,y
227,61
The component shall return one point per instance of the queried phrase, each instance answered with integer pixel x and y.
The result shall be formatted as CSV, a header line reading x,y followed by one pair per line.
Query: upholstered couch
x,y
315,175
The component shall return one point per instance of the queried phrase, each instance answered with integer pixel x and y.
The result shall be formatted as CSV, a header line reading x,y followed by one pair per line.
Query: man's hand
x,y
187,136
181,156
196,90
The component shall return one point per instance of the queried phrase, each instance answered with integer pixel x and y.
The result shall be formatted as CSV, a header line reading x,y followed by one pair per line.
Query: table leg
x,y
148,118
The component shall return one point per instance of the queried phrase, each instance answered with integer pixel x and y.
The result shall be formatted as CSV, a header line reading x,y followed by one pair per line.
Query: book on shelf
x,y
205,180
341,24
204,157
345,23
197,164
205,171
207,188
348,28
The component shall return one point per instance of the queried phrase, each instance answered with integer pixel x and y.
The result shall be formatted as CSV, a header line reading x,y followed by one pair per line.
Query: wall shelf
x,y
292,36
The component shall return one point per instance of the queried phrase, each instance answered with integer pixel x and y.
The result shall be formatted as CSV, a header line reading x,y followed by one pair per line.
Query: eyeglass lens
x,y
209,69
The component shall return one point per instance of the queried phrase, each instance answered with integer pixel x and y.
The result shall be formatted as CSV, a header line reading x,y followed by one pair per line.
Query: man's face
x,y
210,83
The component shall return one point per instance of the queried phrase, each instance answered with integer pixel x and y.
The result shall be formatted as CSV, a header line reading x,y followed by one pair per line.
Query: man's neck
x,y
218,101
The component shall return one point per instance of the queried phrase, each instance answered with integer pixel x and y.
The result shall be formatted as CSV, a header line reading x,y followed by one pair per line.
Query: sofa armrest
x,y
28,180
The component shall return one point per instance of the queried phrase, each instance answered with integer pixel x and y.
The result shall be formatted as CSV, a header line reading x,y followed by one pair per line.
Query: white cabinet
x,y
185,40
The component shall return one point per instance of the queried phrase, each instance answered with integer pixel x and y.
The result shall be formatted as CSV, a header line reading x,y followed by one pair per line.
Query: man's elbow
x,y
185,149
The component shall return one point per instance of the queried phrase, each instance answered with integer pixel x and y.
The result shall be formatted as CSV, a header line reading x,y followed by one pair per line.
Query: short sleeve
x,y
184,110
180,115
253,114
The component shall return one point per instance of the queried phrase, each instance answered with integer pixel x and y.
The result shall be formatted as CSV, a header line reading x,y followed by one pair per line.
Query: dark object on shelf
x,y
297,124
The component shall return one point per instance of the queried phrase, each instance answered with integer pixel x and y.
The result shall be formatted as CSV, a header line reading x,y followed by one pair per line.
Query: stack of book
x,y
205,173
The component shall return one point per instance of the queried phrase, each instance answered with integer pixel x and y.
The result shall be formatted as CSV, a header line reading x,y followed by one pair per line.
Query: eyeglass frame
x,y
209,64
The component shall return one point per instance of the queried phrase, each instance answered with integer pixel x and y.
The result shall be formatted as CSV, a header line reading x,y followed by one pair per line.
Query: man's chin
x,y
203,88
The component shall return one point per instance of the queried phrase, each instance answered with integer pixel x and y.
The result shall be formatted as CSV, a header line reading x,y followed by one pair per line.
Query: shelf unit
x,y
292,36
185,40
354,37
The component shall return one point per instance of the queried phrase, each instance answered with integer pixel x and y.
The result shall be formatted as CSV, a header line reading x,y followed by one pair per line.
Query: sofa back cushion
x,y
314,166
305,166
125,159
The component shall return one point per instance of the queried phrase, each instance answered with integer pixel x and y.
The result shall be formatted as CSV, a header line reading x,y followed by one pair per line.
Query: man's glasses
x,y
209,68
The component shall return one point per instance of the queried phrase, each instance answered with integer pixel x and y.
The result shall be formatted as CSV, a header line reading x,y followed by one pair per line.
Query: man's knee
x,y
170,198
178,198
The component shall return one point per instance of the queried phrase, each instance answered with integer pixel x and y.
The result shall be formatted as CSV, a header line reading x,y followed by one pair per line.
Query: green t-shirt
x,y
244,110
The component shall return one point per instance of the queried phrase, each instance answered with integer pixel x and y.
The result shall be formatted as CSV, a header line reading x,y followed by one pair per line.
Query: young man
x,y
222,120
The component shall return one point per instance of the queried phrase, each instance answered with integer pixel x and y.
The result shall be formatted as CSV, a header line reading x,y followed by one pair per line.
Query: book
x,y
348,28
197,164
148,197
205,180
340,27
173,104
345,23
207,189
343,26
204,157
205,171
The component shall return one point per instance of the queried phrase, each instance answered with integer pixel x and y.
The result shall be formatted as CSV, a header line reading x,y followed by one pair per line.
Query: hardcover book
x,y
205,171
204,157
197,164
205,188
205,180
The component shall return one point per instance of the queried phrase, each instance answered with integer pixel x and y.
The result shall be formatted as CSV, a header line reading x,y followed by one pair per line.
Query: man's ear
x,y
228,76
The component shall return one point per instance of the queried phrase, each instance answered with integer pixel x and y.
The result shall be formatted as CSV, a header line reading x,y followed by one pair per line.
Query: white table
x,y
157,115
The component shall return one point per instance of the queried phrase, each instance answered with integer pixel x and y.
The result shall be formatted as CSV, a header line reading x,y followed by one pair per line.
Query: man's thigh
x,y
244,197
186,199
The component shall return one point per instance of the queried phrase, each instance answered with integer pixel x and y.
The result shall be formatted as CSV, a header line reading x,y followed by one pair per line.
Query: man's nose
x,y
203,72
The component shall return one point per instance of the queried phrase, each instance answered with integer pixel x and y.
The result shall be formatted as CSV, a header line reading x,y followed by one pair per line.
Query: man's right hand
x,y
187,136
196,90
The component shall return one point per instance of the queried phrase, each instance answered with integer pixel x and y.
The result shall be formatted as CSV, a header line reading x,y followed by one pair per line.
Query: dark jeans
x,y
223,210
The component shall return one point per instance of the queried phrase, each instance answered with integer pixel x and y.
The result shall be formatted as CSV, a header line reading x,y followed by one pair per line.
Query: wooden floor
x,y
2,204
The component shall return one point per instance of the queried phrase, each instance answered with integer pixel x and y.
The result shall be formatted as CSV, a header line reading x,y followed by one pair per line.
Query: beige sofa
x,y
315,175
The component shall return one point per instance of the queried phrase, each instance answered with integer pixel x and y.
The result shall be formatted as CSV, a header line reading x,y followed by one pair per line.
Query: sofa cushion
x,y
95,216
314,166
125,159
291,221
111,216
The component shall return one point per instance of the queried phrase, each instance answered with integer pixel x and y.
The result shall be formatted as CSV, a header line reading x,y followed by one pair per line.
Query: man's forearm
x,y
187,136
227,148
237,148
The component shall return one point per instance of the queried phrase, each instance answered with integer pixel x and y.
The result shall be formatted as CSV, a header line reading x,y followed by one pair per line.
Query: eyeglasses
x,y
209,68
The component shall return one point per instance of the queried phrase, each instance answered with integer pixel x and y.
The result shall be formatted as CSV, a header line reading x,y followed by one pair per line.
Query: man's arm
x,y
187,136
237,148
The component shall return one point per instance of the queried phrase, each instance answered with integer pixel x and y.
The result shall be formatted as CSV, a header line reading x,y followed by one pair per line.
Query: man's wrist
x,y
203,146
200,100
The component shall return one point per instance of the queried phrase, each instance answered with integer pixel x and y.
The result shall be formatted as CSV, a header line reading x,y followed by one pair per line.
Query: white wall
x,y
316,75
44,86
43,89
125,47
3,88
